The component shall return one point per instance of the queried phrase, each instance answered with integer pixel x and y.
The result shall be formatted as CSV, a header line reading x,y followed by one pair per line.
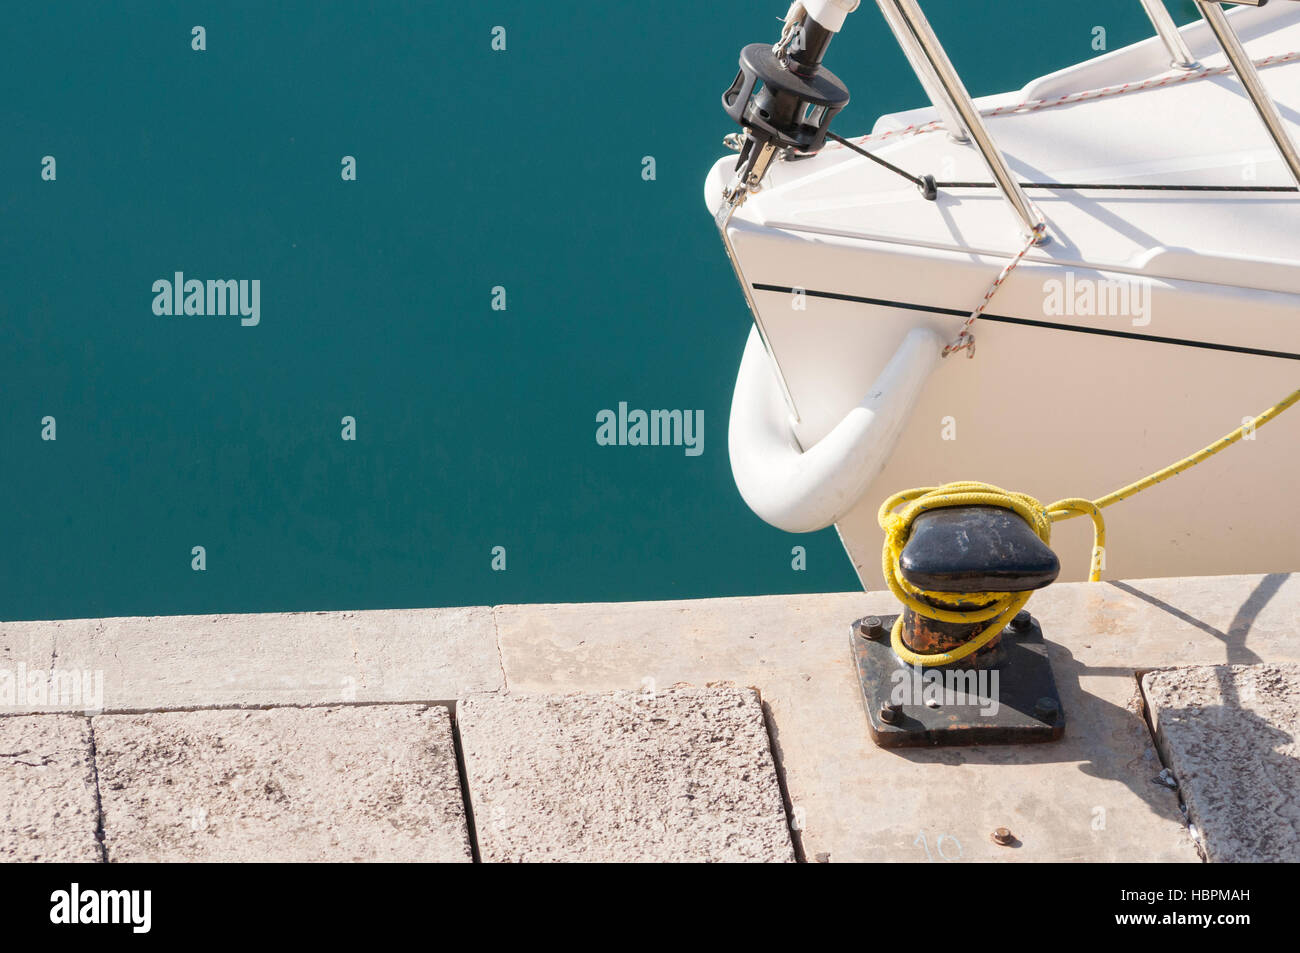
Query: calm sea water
x,y
475,428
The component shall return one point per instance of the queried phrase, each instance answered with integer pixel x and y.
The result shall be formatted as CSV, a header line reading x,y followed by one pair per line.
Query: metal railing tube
x,y
947,76
1180,55
907,42
1254,86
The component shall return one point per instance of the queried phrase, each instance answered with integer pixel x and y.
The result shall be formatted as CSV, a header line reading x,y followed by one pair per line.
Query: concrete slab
x,y
303,658
1089,797
1231,735
48,810
1194,620
673,775
374,783
25,647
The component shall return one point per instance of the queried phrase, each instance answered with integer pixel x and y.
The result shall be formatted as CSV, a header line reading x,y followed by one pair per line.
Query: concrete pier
x,y
719,729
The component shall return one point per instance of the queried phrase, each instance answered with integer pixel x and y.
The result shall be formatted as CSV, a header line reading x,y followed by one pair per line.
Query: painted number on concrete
x,y
948,848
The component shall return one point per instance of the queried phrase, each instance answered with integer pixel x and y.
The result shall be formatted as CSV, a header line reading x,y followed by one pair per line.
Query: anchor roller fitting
x,y
784,99
963,559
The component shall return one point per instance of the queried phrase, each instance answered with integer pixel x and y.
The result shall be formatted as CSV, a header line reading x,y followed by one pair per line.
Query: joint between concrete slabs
x,y
99,799
1228,735
1164,760
448,703
111,840
470,829
778,763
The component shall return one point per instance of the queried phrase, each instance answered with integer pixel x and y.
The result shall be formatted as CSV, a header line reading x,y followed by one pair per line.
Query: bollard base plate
x,y
1010,702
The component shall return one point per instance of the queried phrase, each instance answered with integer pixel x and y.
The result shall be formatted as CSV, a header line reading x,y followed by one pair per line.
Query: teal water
x,y
475,428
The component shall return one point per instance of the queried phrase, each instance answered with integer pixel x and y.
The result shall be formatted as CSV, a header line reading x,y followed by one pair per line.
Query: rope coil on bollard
x,y
999,608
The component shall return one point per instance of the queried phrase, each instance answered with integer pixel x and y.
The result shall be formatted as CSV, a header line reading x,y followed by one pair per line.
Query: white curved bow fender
x,y
799,490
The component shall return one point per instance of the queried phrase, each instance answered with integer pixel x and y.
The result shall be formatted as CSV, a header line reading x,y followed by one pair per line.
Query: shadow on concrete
x,y
1234,640
1094,725
1100,737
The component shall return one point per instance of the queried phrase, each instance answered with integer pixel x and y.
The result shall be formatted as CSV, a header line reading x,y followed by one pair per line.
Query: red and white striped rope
x,y
1033,105
1155,83
964,339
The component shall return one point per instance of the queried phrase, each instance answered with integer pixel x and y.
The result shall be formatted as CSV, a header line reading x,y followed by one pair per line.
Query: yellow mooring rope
x,y
999,608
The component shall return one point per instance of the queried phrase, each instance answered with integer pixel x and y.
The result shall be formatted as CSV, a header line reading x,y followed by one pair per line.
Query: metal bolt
x,y
1003,837
871,628
889,713
1046,709
1023,621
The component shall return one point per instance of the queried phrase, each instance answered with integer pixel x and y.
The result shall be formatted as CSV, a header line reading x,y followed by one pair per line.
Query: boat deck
x,y
1199,132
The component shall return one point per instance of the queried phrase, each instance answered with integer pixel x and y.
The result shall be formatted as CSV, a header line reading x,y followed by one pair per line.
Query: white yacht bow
x,y
1159,308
